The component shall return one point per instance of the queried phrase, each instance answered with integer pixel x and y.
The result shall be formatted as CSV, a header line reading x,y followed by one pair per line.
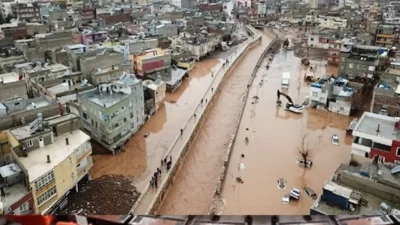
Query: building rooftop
x,y
9,78
36,162
368,124
347,189
107,100
151,53
64,87
13,194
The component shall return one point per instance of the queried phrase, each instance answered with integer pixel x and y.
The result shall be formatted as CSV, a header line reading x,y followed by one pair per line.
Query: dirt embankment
x,y
109,194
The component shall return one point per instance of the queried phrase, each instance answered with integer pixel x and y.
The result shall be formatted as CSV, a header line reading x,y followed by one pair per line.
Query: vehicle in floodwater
x,y
290,105
285,80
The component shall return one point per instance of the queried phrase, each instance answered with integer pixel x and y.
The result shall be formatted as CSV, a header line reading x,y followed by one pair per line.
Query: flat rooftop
x,y
36,162
368,124
9,77
13,194
176,75
64,87
107,100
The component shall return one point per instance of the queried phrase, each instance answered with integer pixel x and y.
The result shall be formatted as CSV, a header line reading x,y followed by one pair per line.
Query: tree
x,y
304,150
1,18
9,18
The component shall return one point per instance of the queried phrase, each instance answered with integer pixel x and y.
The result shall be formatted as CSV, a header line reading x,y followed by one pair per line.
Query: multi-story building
x,y
334,52
152,61
49,158
30,12
314,4
87,14
386,35
12,85
358,60
368,189
320,91
156,90
88,37
377,136
113,112
387,92
331,22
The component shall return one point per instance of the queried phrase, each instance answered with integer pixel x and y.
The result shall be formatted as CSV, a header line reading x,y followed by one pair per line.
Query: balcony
x,y
83,151
84,169
391,36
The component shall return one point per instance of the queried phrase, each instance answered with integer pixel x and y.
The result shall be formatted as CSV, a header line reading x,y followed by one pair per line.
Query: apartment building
x,y
359,60
157,91
387,92
320,91
334,52
30,12
386,34
19,111
377,136
49,158
89,37
152,61
113,112
331,22
12,85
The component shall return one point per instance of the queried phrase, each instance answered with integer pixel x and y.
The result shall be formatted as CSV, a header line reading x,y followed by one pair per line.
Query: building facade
x,y
54,156
377,136
387,92
152,61
113,112
29,12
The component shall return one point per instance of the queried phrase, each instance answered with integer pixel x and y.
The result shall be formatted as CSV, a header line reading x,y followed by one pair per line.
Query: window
x,y
124,120
46,196
137,119
312,39
381,159
24,208
44,180
29,143
84,116
383,98
398,152
131,115
315,94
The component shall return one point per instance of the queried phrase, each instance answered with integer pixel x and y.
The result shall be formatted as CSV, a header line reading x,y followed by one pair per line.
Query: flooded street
x,y
142,155
194,184
275,135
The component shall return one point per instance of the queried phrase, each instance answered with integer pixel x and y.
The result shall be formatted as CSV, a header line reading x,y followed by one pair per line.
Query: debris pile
x,y
107,195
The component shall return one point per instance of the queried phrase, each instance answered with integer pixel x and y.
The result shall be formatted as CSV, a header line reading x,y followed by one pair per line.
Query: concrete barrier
x,y
224,169
219,74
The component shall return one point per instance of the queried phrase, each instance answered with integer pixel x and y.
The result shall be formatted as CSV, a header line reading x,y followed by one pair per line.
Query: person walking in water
x,y
246,140
181,131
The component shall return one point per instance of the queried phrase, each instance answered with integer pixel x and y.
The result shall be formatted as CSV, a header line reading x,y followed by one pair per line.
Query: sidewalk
x,y
148,196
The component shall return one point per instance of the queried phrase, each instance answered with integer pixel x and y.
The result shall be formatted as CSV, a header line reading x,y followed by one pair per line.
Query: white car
x,y
286,199
335,139
295,193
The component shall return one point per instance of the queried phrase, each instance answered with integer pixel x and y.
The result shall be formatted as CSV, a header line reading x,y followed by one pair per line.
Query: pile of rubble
x,y
110,194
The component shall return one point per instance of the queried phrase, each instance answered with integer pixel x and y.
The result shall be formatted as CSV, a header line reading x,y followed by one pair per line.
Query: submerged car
x,y
311,193
281,183
295,193
335,139
308,163
286,199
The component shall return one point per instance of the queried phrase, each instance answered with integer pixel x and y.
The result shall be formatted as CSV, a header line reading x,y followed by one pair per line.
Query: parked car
x,y
295,193
308,163
335,139
311,193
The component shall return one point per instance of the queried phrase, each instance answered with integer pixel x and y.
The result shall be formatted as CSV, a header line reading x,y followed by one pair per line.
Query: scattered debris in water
x,y
239,180
242,155
146,134
241,166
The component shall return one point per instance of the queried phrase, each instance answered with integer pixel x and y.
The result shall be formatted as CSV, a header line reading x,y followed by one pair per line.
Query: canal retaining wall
x,y
200,111
224,170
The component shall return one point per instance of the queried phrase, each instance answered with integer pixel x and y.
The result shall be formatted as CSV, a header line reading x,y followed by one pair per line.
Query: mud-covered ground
x,y
110,194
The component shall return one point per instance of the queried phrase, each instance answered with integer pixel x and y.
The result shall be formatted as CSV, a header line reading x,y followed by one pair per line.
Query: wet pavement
x,y
194,184
142,155
275,135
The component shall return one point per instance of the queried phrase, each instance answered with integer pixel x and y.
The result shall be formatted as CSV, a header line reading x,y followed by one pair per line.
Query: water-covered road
x,y
194,185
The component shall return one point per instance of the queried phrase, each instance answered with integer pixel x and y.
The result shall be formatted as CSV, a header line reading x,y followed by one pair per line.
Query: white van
x,y
285,80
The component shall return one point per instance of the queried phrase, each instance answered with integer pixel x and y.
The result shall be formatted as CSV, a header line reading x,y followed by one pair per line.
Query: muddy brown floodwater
x,y
142,155
274,138
194,184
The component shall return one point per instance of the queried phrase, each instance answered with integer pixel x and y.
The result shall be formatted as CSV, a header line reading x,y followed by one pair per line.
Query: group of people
x,y
157,175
